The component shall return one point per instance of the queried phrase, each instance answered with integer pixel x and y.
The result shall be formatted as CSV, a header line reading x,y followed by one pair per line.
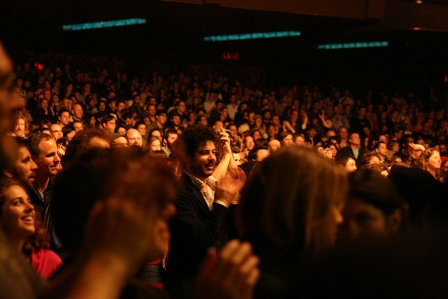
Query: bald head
x,y
134,137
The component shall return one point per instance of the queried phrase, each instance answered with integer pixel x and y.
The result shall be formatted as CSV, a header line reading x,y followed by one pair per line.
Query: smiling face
x,y
434,161
48,160
17,217
203,161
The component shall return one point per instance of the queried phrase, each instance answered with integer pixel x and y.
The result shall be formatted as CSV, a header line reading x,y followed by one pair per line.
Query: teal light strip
x,y
103,24
246,36
354,45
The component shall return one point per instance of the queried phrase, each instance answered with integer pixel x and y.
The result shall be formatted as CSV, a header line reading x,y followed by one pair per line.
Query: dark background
x,y
415,58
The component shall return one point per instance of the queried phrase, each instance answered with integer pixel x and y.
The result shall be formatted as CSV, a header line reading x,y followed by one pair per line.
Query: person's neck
x,y
202,179
41,183
354,146
17,242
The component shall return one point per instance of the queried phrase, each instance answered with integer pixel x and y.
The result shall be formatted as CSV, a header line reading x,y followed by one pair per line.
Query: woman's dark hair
x,y
41,238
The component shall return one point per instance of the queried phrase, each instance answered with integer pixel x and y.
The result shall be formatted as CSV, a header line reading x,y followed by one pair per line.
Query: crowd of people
x,y
302,176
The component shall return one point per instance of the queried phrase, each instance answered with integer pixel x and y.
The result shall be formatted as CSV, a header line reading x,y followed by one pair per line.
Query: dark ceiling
x,y
417,32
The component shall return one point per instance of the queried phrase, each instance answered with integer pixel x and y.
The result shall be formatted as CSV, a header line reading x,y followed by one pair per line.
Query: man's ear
x,y
394,221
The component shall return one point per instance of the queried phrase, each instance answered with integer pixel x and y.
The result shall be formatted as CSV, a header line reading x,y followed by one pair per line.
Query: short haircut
x,y
343,159
34,141
62,111
160,112
377,145
106,118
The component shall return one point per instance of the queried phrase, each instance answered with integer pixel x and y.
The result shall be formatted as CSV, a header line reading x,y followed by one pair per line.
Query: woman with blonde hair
x,y
289,211
431,162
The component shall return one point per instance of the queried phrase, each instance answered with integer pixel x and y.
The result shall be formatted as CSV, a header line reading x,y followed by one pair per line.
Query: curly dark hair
x,y
196,135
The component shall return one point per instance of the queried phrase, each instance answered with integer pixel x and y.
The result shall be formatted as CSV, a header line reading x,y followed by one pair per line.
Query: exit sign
x,y
230,55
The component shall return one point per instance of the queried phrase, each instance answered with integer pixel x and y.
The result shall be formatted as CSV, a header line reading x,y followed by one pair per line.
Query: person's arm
x,y
322,118
227,163
305,120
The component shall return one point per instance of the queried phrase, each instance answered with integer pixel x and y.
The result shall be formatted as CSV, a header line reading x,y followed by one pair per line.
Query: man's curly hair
x,y
196,135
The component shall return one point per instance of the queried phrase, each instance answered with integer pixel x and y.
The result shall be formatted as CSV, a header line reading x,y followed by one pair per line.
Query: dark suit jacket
x,y
347,151
193,230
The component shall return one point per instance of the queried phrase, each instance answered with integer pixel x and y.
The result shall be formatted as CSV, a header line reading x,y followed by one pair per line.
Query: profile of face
x,y
70,135
434,161
202,163
17,217
24,167
121,131
374,160
48,160
350,166
364,220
